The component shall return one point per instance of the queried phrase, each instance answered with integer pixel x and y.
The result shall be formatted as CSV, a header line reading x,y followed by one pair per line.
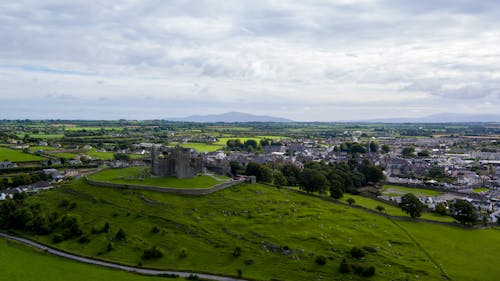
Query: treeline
x,y
23,179
333,178
36,168
249,145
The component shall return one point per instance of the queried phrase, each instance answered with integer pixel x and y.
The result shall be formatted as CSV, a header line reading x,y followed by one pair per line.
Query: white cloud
x,y
341,59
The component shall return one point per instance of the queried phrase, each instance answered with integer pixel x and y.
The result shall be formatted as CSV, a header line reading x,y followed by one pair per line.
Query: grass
x,y
93,128
261,221
481,189
14,155
202,147
22,263
135,175
397,190
65,155
42,136
44,148
100,155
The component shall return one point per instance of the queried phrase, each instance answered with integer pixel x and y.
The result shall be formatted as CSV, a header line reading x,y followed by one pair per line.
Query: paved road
x,y
114,265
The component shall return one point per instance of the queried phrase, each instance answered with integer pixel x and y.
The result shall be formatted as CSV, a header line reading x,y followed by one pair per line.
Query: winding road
x,y
114,265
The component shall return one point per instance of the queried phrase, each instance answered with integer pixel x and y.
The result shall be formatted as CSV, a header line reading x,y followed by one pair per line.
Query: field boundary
x,y
184,191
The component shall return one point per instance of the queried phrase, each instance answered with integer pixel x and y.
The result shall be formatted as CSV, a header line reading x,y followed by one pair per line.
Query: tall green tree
x,y
411,205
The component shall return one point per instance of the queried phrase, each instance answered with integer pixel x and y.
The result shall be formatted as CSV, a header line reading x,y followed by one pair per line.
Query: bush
x,y
345,267
121,235
248,262
57,238
153,253
350,201
155,229
237,252
183,253
321,260
193,277
84,239
357,253
369,249
110,247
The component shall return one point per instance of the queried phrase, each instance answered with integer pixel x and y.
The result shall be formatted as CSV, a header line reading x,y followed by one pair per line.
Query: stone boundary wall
x,y
185,191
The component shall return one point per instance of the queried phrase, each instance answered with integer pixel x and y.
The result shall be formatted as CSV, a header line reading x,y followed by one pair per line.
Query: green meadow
x,y
202,147
22,263
42,136
65,155
397,190
279,233
480,189
136,175
14,155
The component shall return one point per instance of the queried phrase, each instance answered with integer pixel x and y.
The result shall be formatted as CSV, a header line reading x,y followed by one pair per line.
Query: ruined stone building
x,y
177,162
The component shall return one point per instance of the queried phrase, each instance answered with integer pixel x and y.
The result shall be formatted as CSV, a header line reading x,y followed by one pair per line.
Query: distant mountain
x,y
229,117
440,118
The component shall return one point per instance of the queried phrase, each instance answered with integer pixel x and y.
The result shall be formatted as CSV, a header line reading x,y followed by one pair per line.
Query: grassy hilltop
x,y
279,234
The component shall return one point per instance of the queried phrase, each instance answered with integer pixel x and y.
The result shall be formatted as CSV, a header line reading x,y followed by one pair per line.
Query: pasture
x,y
397,190
14,155
279,233
140,176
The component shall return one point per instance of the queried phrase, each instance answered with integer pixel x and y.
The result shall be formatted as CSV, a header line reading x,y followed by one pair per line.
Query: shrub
x,y
153,253
357,253
237,252
321,260
106,227
380,208
369,249
110,247
248,262
193,277
345,267
84,239
183,253
57,238
350,201
121,235
155,229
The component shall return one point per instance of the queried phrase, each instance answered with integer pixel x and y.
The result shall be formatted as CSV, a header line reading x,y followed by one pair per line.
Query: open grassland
x,y
14,155
202,147
65,155
42,136
397,190
391,209
464,254
21,263
480,189
44,148
140,176
93,128
263,222
100,155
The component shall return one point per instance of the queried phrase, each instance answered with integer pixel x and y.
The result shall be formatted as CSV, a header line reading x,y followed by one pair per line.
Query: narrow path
x,y
443,273
114,265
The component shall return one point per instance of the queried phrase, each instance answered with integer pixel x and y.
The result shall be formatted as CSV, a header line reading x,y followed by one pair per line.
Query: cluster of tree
x,y
23,179
237,144
152,253
411,205
317,176
436,173
122,156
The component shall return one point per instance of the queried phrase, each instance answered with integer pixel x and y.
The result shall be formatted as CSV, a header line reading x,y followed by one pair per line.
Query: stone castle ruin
x,y
178,162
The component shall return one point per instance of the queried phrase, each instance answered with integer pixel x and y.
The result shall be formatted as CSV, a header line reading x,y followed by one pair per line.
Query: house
x,y
42,185
7,164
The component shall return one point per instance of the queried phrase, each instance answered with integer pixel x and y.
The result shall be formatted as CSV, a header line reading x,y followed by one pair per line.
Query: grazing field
x,y
14,155
22,263
391,209
202,147
100,155
140,176
64,155
44,148
223,141
42,136
481,189
93,128
279,233
397,190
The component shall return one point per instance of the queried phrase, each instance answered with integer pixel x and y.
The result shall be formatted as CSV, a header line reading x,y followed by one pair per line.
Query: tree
x,y
121,235
336,189
408,151
291,173
236,168
373,147
411,205
122,156
464,212
386,148
350,201
279,179
441,208
313,180
423,153
380,208
374,174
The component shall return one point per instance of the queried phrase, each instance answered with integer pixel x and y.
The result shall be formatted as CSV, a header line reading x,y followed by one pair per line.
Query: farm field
x,y
397,190
202,147
42,136
134,175
65,155
100,155
263,221
42,266
14,155
481,189
44,148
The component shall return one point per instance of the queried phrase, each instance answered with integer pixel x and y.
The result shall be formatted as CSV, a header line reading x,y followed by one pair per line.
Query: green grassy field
x,y
397,190
481,189
64,155
21,263
42,136
44,148
100,155
262,221
134,175
202,147
14,155
93,128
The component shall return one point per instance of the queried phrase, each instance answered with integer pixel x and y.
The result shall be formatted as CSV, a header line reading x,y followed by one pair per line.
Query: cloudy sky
x,y
305,60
